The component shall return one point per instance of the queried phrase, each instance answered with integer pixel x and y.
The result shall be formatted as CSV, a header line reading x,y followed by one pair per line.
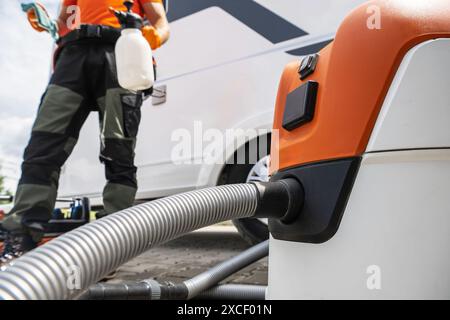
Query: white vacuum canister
x,y
134,60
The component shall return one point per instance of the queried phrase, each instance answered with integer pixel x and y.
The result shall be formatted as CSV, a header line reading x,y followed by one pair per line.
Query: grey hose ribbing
x,y
88,253
207,279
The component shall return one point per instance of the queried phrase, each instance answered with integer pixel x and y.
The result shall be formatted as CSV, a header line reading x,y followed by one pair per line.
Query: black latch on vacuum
x,y
300,106
308,66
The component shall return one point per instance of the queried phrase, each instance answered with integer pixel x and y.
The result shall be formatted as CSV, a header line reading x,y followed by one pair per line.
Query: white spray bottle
x,y
133,53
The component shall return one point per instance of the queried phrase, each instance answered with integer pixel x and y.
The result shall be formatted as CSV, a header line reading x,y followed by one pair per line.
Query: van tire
x,y
253,231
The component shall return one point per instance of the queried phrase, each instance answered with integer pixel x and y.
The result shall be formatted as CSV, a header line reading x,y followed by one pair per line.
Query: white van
x,y
219,70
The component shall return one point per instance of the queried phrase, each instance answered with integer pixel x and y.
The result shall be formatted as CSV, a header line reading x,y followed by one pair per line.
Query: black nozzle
x,y
129,4
282,200
128,19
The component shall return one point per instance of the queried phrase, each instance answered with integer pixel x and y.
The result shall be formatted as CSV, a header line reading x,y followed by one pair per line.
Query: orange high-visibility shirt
x,y
97,11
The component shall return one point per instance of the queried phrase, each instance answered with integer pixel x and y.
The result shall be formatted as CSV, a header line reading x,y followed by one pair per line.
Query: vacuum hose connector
x,y
68,265
281,200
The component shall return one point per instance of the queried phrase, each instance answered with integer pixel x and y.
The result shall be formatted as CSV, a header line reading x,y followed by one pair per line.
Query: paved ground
x,y
192,254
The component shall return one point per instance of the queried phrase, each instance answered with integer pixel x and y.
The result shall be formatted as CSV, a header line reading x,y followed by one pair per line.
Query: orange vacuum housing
x,y
353,73
328,104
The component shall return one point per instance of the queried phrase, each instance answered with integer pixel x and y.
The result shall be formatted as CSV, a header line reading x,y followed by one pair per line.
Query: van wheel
x,y
253,231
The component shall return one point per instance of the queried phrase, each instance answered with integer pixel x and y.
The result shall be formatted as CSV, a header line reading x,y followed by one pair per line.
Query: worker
x,y
84,80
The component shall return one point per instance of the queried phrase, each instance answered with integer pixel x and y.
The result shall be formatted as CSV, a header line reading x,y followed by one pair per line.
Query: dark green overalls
x,y
84,80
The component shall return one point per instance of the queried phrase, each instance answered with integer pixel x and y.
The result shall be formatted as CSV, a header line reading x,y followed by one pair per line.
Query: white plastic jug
x,y
134,61
133,53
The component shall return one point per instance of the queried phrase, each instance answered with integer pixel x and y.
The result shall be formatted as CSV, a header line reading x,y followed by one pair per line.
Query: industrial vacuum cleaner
x,y
358,201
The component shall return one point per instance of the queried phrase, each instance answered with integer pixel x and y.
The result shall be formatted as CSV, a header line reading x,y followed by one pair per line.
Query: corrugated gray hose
x,y
234,292
206,280
68,265
153,290
98,248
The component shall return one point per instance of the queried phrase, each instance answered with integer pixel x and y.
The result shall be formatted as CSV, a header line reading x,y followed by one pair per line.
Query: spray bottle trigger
x,y
129,4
